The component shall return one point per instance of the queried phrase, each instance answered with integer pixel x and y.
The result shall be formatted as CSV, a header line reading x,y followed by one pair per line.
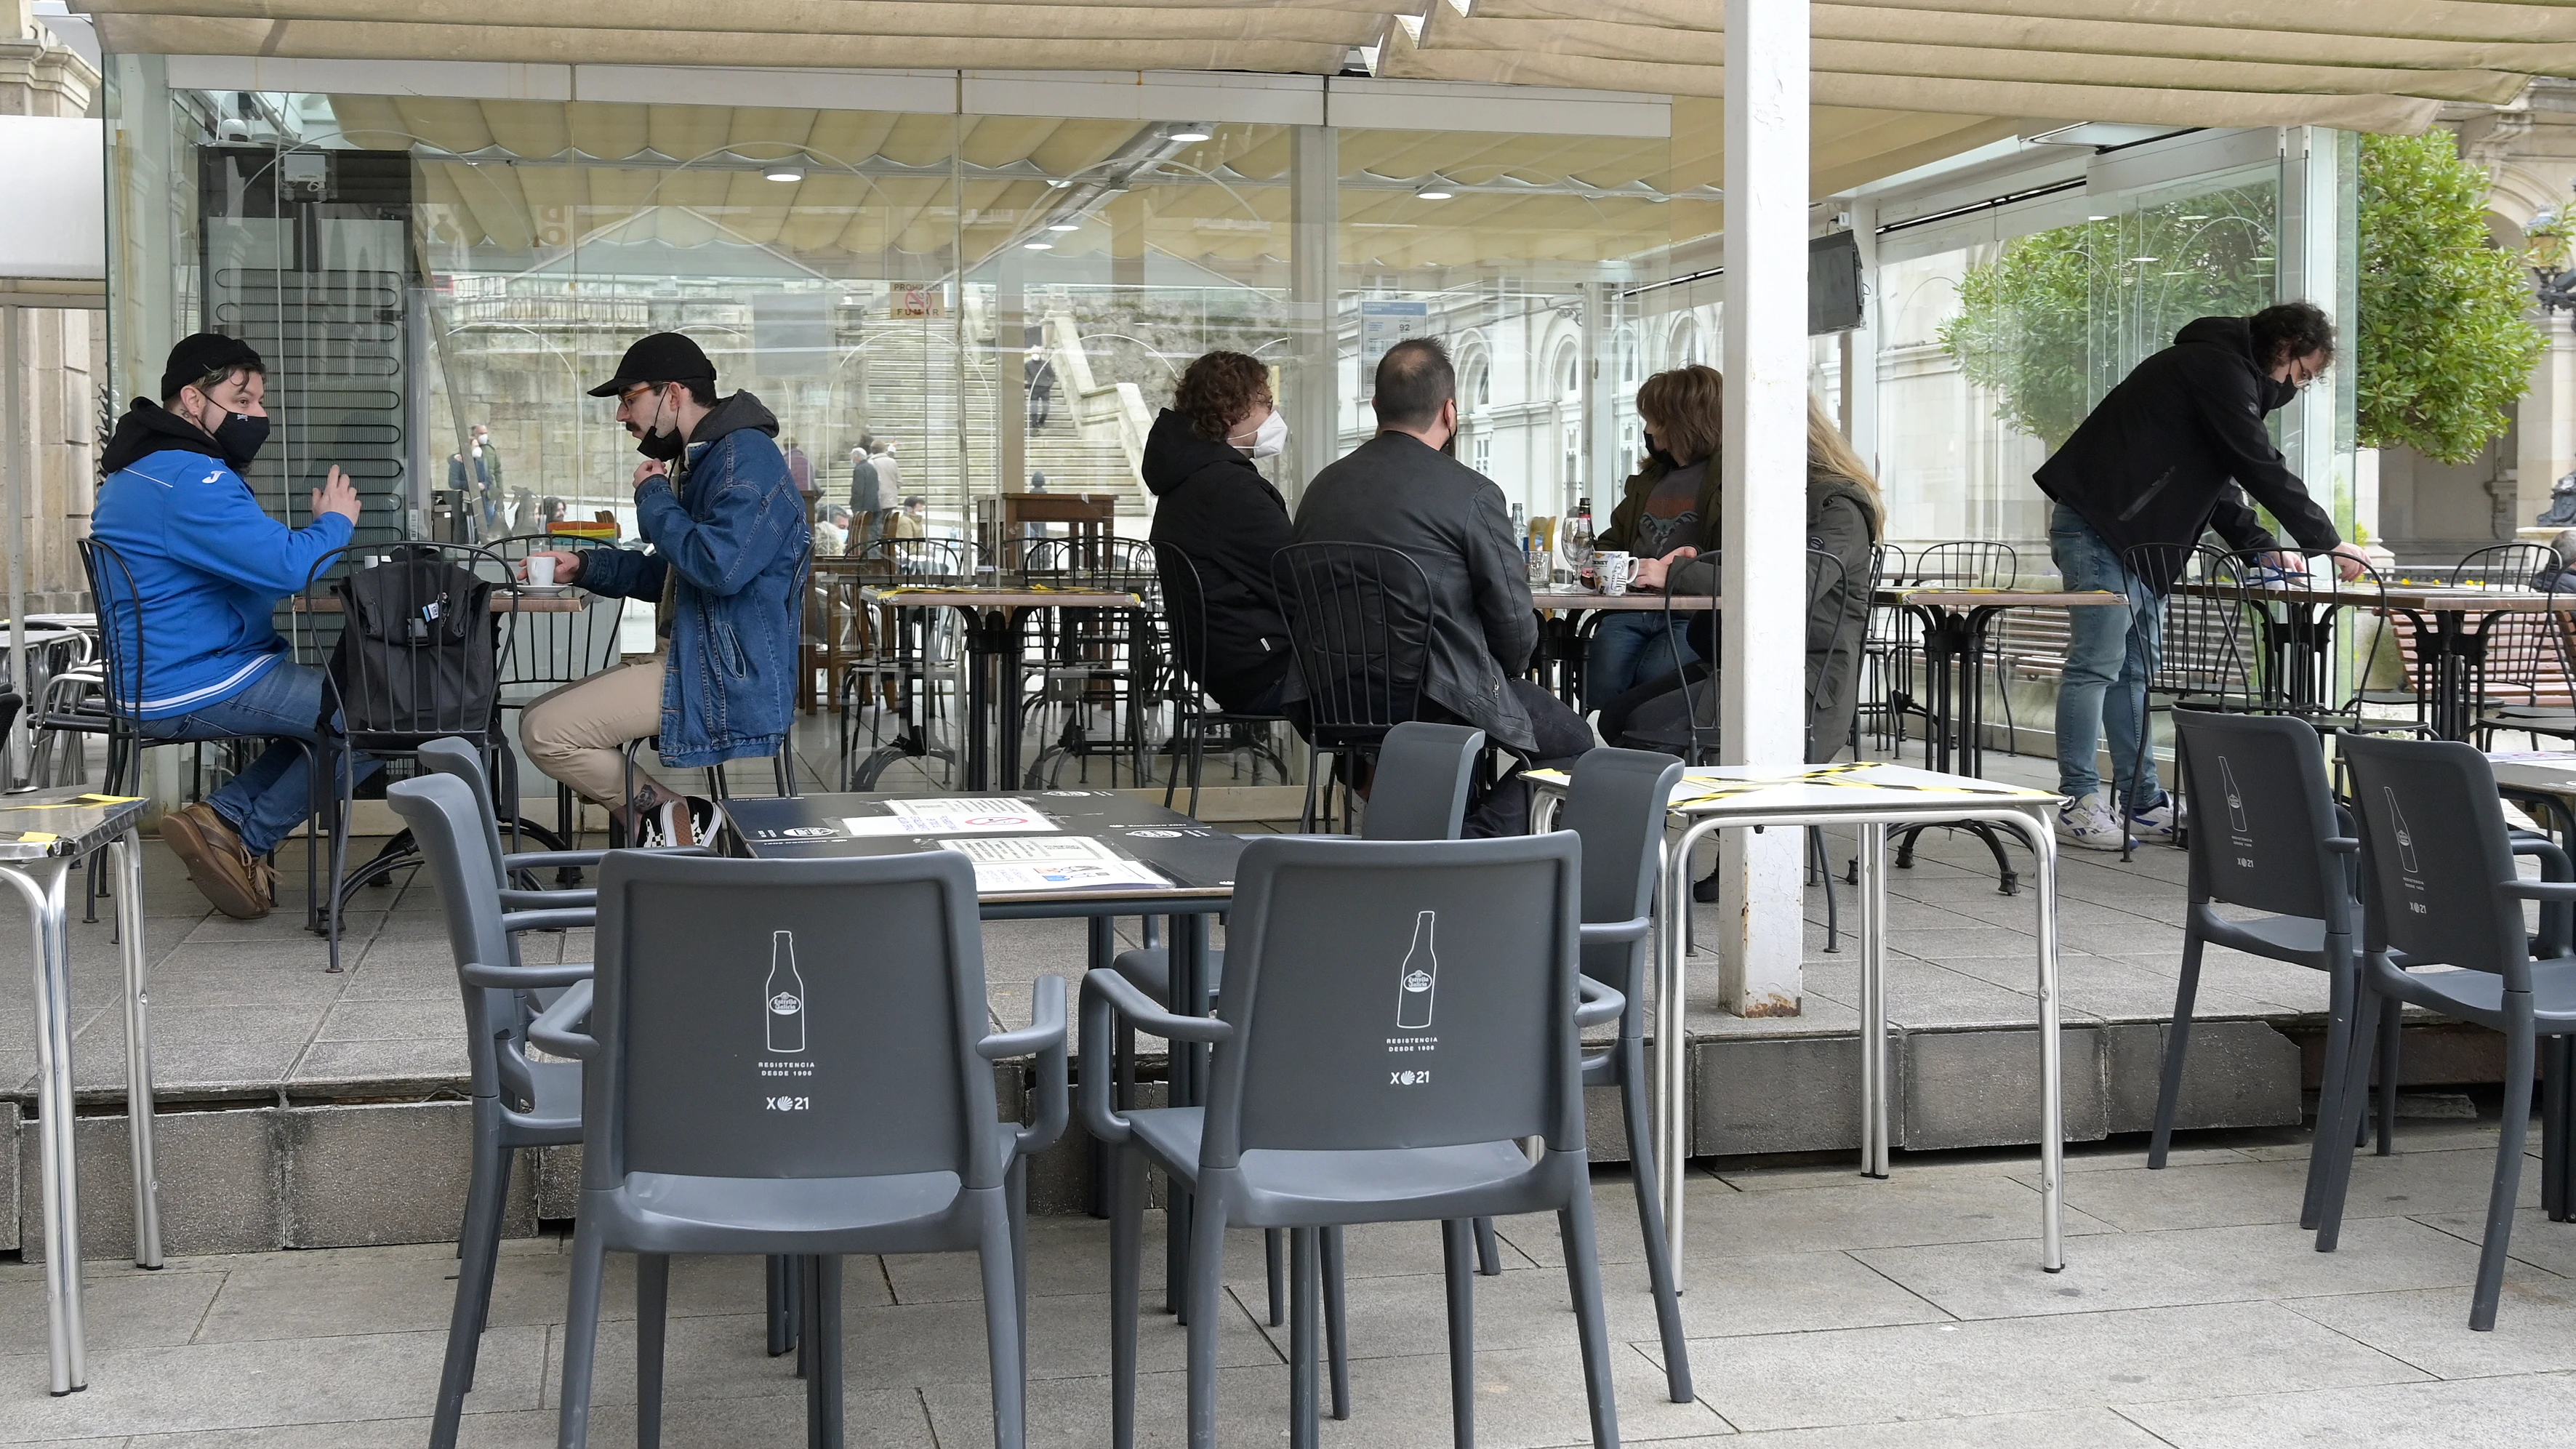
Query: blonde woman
x,y
1669,507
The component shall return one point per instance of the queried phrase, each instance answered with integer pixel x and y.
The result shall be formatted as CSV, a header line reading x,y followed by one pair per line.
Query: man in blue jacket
x,y
730,543
209,566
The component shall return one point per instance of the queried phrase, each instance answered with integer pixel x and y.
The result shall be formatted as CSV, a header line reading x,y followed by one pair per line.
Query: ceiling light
x,y
1434,191
1191,134
1064,226
785,173
1039,246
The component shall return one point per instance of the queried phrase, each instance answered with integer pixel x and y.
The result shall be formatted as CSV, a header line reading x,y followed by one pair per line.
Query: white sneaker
x,y
2159,821
2086,825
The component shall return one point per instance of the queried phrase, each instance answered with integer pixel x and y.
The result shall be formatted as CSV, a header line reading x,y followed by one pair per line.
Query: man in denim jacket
x,y
730,544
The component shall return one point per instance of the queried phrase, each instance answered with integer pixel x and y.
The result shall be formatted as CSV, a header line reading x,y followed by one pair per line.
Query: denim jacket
x,y
734,533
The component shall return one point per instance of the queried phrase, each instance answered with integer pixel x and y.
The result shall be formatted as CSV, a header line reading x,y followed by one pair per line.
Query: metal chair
x,y
517,1101
1888,647
415,654
1359,618
2199,642
1088,664
1185,620
918,664
842,1102
546,651
2441,888
1327,1108
122,682
2519,662
1974,564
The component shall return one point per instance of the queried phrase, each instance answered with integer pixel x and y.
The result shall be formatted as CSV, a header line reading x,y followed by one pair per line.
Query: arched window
x,y
1569,372
1628,356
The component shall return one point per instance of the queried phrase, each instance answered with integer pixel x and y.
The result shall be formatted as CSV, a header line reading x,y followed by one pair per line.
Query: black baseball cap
x,y
201,356
662,357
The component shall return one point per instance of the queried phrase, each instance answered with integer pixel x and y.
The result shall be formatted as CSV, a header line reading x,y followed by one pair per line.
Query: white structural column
x,y
1762,657
2318,264
1313,386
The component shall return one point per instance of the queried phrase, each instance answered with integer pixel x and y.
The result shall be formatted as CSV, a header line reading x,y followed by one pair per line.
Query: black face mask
x,y
2278,393
662,447
240,436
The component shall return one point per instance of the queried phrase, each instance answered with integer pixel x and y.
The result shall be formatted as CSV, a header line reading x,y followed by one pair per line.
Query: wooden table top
x,y
2414,598
503,602
1587,599
984,597
2000,598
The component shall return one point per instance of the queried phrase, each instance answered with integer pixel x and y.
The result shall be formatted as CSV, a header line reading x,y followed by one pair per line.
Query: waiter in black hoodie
x,y
1214,506
2171,453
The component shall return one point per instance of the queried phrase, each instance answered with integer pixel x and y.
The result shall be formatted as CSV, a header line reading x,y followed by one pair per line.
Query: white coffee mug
x,y
1614,569
541,570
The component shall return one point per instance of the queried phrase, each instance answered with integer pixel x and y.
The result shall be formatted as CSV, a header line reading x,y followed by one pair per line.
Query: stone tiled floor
x,y
1823,1310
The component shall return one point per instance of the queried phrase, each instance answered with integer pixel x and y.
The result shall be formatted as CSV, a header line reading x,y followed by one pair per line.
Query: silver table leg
x,y
41,884
1874,1116
2052,1126
127,854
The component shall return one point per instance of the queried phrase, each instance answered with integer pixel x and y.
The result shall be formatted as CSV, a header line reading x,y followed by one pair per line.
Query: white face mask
x,y
1271,438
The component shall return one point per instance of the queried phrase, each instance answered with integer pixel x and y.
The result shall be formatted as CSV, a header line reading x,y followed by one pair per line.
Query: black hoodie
x,y
2163,457
1214,506
149,428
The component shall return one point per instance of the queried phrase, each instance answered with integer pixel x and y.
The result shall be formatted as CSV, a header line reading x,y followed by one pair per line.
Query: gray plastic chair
x,y
2270,838
1351,1083
1423,778
1617,803
516,1102
2441,887
817,1090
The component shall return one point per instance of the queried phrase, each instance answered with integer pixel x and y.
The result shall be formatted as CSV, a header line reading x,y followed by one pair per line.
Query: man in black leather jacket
x,y
1401,490
2171,453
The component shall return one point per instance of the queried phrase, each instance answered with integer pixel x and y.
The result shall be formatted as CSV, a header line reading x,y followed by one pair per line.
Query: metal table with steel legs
x,y
42,836
1873,797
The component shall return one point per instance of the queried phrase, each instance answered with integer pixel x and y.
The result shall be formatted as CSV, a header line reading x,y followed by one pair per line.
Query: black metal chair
x,y
1082,665
546,651
115,710
1185,621
2203,648
916,668
1359,619
415,634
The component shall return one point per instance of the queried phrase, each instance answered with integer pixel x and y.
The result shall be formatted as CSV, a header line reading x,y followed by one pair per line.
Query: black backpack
x,y
415,656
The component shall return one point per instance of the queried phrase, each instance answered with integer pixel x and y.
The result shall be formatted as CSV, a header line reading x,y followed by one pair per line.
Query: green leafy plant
x,y
2443,351
2043,324
2440,354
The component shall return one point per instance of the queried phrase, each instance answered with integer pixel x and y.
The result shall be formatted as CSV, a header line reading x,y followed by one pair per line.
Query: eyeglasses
x,y
2301,375
628,397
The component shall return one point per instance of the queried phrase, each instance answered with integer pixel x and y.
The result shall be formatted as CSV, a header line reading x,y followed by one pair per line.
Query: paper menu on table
x,y
952,815
1074,863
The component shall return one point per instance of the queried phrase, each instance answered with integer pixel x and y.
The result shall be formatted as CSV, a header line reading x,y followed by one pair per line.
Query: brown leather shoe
x,y
218,864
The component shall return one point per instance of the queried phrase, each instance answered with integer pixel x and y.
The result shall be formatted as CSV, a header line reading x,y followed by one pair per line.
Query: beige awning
x,y
1897,82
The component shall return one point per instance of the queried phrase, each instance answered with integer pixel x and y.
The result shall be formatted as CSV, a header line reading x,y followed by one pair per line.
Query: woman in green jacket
x,y
1670,505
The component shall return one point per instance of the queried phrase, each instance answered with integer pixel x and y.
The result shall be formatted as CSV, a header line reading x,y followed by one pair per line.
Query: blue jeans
x,y
1629,649
270,798
2107,664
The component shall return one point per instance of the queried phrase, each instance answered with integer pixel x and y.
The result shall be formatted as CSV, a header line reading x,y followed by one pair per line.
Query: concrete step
x,y
387,1163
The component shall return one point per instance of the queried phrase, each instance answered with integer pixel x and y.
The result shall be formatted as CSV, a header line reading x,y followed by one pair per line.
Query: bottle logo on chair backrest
x,y
2236,821
783,998
1419,978
2405,837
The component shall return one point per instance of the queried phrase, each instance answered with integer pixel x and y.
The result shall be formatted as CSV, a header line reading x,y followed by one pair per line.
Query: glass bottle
x,y
784,997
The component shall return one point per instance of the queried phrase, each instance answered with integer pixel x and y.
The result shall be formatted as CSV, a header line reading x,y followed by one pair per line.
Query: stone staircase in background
x,y
1091,443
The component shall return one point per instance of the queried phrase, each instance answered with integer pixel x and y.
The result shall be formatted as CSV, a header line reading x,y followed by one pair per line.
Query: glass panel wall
x,y
1998,336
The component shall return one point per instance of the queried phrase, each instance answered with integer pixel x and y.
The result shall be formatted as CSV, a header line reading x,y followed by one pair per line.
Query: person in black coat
x,y
2171,453
1213,505
1401,490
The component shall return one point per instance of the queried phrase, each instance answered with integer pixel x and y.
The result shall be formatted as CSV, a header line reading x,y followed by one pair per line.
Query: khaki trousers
x,y
578,734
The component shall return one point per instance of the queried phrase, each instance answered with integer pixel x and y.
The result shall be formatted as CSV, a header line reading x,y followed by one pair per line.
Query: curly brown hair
x,y
1218,390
